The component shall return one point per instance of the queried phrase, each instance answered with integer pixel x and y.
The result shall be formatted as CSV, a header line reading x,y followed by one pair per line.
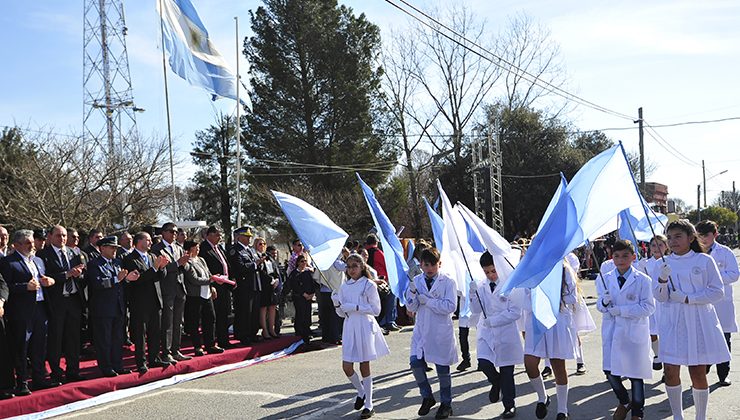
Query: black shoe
x,y
443,412
426,405
394,327
142,369
110,373
22,390
180,357
6,395
509,413
44,384
657,365
160,363
541,410
75,377
561,416
366,414
495,393
57,377
166,358
465,364
359,402
386,331
214,350
724,382
199,353
122,371
546,372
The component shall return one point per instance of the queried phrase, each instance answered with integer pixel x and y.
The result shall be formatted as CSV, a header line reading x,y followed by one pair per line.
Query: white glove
x,y
665,272
412,286
335,298
473,286
606,300
348,307
423,299
676,296
615,311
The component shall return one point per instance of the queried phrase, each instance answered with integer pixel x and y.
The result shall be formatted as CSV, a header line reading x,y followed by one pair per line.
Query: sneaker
x,y
426,406
465,364
394,327
580,369
724,382
621,412
509,413
359,402
443,412
366,414
546,372
561,416
541,410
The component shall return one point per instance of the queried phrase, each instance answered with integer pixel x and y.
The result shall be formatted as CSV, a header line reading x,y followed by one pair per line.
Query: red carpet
x,y
97,385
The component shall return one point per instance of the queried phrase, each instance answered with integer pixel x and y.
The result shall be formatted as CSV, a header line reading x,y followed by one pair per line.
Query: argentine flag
x,y
192,56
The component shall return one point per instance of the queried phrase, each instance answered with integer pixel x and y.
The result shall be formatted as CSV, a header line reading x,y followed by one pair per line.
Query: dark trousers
x,y
29,334
108,342
464,344
330,322
6,360
302,317
64,334
245,306
173,309
503,378
723,369
146,322
222,306
199,312
638,393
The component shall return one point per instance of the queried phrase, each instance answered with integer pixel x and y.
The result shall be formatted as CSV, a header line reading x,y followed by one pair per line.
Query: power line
x,y
534,79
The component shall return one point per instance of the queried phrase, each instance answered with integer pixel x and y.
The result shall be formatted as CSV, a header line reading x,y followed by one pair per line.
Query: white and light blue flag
x,y
192,55
322,238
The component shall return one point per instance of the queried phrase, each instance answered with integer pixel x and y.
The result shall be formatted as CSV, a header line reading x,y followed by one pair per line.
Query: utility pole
x,y
642,150
704,177
698,203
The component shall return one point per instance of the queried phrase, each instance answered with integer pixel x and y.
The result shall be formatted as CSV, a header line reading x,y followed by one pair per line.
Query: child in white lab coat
x,y
626,300
433,297
651,267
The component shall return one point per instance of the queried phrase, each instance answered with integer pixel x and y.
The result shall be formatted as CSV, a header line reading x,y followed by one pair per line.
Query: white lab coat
x,y
652,268
625,338
499,340
728,270
434,335
690,333
362,338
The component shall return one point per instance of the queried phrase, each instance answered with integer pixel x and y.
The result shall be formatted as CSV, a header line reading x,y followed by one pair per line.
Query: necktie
x,y
223,260
429,281
492,285
621,281
63,260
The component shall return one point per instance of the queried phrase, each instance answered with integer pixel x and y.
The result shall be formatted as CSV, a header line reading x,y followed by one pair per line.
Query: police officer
x,y
244,262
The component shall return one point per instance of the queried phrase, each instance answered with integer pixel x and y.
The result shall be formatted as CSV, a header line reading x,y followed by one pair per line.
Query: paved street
x,y
312,385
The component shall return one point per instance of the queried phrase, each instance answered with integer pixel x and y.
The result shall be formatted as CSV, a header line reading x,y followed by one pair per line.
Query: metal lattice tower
x,y
487,187
108,110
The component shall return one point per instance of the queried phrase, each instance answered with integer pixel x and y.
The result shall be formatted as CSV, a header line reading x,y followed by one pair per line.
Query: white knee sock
x,y
539,387
367,384
547,363
579,356
675,399
701,399
355,379
656,347
562,391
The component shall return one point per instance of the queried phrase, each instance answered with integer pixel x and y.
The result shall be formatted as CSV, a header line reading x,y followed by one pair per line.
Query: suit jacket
x,y
54,269
106,292
301,282
90,252
21,302
196,276
211,258
174,279
243,267
3,289
145,293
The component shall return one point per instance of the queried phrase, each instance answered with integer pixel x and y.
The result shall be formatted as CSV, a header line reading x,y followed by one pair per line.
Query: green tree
x,y
723,216
315,98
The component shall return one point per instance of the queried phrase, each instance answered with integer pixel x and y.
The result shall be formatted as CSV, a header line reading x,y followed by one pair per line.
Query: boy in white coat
x,y
626,300
499,343
433,296
728,270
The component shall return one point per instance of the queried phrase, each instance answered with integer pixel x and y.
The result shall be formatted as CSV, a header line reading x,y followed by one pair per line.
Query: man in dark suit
x,y
105,277
146,300
215,257
91,249
243,261
6,365
26,313
65,301
173,294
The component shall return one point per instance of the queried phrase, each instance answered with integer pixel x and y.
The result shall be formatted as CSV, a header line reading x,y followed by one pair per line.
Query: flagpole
x,y
321,273
238,134
598,264
167,108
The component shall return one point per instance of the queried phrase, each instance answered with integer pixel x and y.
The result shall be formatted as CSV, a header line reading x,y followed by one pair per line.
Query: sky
x,y
678,60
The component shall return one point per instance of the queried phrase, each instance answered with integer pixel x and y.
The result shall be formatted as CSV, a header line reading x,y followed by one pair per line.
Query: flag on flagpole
x,y
438,226
322,238
192,55
395,263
